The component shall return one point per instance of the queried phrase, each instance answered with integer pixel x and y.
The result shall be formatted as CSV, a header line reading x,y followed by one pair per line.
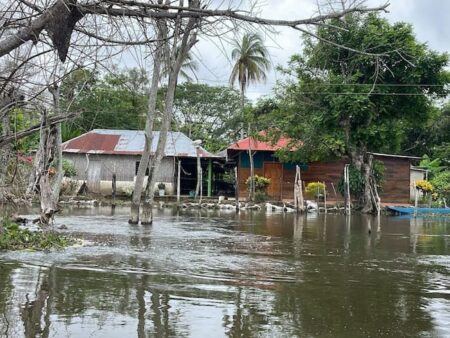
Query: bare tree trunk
x,y
177,56
58,160
151,112
199,187
252,174
251,196
48,205
5,155
363,163
48,163
35,175
368,205
147,216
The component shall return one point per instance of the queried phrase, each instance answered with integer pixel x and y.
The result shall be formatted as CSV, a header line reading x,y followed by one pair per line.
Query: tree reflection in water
x,y
240,275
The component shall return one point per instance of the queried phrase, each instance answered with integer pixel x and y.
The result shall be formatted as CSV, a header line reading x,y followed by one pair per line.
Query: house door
x,y
274,171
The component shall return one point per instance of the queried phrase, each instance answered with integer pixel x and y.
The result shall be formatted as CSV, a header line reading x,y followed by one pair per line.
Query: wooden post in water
x,y
179,182
114,186
416,199
325,196
210,178
236,180
347,189
298,191
113,189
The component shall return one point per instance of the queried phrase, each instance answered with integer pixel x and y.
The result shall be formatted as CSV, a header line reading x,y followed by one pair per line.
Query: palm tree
x,y
252,61
251,64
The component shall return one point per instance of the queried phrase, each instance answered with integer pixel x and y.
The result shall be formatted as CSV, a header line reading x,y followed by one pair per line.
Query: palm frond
x,y
251,60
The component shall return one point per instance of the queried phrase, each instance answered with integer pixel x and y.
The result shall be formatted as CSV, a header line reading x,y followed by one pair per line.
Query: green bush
x,y
378,173
260,196
261,183
441,184
356,182
357,179
68,168
433,166
315,188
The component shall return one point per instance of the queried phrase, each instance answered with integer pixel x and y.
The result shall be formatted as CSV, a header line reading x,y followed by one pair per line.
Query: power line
x,y
367,94
349,84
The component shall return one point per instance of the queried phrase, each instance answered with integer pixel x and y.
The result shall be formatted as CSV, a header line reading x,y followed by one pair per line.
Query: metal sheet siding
x,y
123,165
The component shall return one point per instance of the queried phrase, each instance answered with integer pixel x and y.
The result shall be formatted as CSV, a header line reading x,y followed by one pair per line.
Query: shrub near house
x,y
261,184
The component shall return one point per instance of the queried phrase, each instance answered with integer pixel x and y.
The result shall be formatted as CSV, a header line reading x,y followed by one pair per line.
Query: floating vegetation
x,y
17,237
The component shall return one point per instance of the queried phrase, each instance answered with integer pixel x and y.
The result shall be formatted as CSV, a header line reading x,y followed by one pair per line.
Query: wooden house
x,y
100,153
396,187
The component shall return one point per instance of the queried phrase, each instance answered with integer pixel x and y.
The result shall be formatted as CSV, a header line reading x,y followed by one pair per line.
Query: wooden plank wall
x,y
395,188
397,183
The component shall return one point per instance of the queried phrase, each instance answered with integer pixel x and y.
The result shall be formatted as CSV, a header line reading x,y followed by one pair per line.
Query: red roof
x,y
93,141
257,145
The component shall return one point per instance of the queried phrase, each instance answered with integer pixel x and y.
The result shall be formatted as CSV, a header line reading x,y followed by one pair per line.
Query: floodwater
x,y
216,274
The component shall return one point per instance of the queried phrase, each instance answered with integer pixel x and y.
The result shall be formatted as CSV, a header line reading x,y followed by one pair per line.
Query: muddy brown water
x,y
215,274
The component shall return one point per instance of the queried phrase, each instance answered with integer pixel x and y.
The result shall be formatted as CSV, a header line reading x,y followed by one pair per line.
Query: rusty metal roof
x,y
131,142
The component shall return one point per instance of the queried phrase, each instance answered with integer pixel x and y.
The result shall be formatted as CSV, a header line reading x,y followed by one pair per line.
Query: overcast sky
x,y
429,19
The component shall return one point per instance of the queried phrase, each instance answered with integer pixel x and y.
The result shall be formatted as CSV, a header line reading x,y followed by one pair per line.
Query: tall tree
x,y
116,100
209,113
348,103
251,64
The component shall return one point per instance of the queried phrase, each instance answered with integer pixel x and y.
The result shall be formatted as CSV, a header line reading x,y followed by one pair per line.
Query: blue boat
x,y
420,211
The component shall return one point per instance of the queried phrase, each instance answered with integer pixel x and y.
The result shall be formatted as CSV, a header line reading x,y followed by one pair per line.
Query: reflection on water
x,y
207,274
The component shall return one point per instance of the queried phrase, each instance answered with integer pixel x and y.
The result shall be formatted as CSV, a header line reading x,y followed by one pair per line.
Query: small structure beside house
x,y
417,174
100,153
397,178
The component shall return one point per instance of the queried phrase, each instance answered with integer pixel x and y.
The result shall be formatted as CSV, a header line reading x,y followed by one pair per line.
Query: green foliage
x,y
228,177
13,237
442,152
20,120
378,173
433,166
251,61
260,196
68,168
333,106
261,183
209,113
441,184
115,101
356,182
313,189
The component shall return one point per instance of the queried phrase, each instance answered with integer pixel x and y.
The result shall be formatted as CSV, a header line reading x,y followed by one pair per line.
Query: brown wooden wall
x,y
396,187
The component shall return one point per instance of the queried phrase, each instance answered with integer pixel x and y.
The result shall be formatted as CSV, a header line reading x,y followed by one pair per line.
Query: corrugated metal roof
x,y
257,145
283,142
131,142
